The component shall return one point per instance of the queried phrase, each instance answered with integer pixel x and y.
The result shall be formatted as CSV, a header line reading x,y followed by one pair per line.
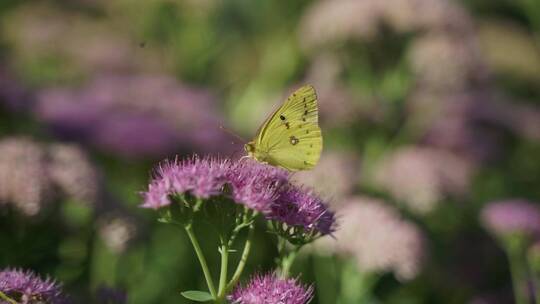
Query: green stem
x,y
536,288
202,260
287,261
243,260
356,286
4,297
325,278
224,270
516,271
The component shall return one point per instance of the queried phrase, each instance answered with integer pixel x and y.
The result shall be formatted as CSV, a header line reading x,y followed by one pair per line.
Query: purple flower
x,y
255,184
252,184
268,289
300,207
26,287
134,116
511,216
201,177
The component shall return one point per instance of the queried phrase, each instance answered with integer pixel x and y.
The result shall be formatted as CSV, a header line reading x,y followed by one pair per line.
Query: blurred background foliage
x,y
429,110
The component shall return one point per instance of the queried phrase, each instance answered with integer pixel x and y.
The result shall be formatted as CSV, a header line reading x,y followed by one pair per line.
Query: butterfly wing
x,y
291,137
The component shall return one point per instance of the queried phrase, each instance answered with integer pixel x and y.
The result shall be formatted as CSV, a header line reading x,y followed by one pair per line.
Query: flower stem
x,y
286,263
4,297
224,269
356,286
202,260
536,289
517,273
535,275
243,260
286,258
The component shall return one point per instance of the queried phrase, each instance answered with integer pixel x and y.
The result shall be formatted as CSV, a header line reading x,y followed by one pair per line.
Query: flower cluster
x,y
27,287
421,177
230,194
250,183
269,289
201,178
511,216
375,235
297,207
327,22
259,187
29,170
113,114
256,185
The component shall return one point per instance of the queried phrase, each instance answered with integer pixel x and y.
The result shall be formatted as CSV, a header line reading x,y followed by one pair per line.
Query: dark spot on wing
x,y
307,131
287,125
311,146
282,117
305,163
293,140
304,119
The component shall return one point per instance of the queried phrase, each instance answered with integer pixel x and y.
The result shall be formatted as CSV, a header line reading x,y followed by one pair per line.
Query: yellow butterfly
x,y
290,138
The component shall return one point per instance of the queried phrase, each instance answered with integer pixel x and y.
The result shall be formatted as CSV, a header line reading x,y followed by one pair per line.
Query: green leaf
x,y
197,295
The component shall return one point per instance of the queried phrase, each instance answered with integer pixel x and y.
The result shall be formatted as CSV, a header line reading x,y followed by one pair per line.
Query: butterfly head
x,y
255,153
250,148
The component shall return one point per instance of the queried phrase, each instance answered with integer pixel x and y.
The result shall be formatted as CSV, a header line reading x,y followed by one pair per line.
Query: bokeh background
x,y
429,109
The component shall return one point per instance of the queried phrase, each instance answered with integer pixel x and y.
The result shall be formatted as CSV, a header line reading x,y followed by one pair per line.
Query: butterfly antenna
x,y
243,141
238,137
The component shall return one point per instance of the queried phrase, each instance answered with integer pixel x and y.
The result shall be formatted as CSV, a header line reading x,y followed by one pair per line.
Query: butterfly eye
x,y
249,147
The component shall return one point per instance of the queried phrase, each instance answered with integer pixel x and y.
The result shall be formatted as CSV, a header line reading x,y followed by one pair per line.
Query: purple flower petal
x,y
253,184
24,285
302,208
202,177
268,289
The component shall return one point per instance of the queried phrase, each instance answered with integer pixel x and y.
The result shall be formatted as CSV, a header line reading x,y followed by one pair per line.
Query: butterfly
x,y
291,137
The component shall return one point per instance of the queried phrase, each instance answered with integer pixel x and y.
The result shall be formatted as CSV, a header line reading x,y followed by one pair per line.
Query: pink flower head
x,y
302,208
201,177
511,216
269,289
25,287
253,184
